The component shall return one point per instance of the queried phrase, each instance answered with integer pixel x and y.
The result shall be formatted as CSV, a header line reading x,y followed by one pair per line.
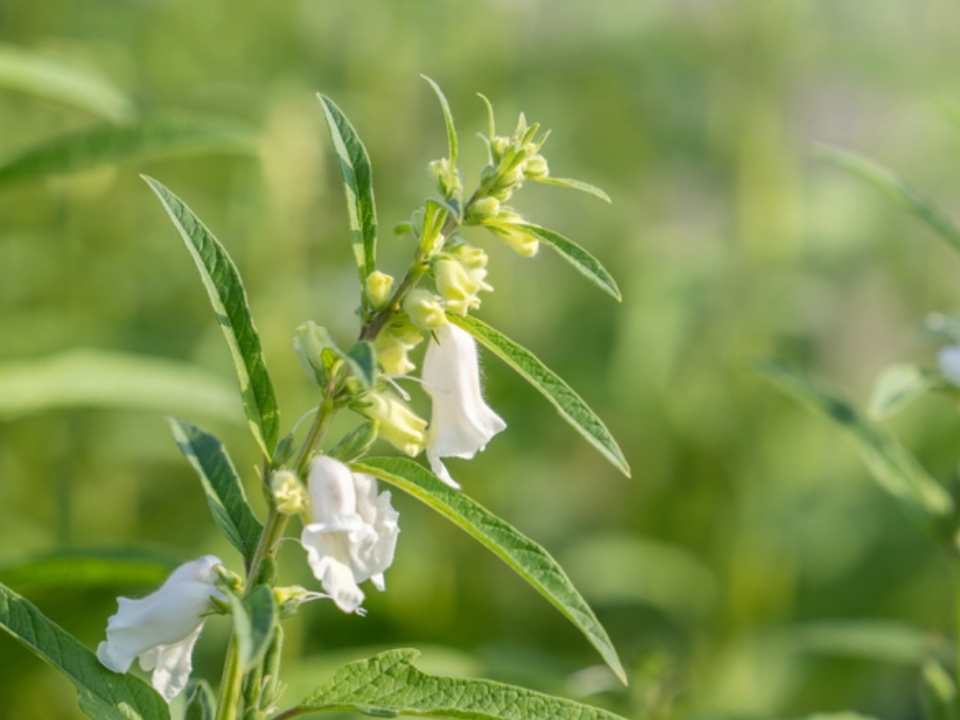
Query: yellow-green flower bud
x,y
458,288
398,424
392,346
379,287
499,146
309,343
521,241
483,209
439,169
535,167
472,258
289,493
424,309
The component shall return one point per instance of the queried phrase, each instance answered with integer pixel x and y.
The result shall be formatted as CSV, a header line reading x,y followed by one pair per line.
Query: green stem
x,y
228,707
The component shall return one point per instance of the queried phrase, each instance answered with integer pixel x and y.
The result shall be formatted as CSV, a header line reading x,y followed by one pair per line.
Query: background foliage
x,y
750,568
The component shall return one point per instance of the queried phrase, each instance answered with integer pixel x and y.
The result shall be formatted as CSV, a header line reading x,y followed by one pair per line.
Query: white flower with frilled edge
x,y
462,423
162,628
352,532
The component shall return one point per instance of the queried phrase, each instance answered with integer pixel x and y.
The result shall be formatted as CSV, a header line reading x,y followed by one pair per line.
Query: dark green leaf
x,y
229,300
101,379
92,568
356,442
529,560
388,684
571,407
104,695
574,184
886,180
448,121
224,490
62,82
363,361
254,621
201,702
358,185
894,468
151,139
582,260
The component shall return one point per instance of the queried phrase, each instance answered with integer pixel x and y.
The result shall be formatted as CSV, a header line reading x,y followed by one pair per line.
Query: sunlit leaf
x,y
254,621
357,178
448,121
223,487
889,182
388,684
897,386
104,695
582,260
89,568
529,560
229,299
938,691
573,184
894,468
123,381
150,139
62,82
572,408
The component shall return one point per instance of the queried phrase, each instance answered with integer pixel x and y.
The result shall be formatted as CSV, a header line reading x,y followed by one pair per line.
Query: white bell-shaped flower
x,y
352,532
462,423
162,628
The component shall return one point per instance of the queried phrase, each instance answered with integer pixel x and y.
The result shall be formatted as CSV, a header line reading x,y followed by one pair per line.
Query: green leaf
x,y
201,702
103,379
448,120
894,468
434,217
357,178
388,685
878,640
89,568
583,261
529,560
224,490
575,185
571,407
889,182
254,621
897,386
62,82
938,691
104,695
229,299
837,716
151,139
363,360
355,443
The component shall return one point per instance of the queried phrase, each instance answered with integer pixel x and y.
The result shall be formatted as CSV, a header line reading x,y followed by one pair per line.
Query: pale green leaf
x,y
151,139
357,178
894,468
448,121
355,443
897,386
229,299
223,487
889,182
573,184
122,381
938,692
104,695
529,560
388,684
582,260
878,640
62,82
570,405
89,568
254,621
836,716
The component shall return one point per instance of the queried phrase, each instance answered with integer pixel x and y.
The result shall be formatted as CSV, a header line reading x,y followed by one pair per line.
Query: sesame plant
x,y
329,492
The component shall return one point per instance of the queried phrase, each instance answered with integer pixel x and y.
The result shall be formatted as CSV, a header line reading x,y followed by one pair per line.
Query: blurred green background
x,y
750,568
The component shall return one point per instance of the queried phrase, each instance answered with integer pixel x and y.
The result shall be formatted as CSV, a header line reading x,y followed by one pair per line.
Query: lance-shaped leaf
x,y
201,702
104,695
529,560
894,468
153,138
571,406
122,381
229,299
254,622
388,684
448,121
56,80
357,178
582,260
889,182
574,185
224,490
898,385
92,568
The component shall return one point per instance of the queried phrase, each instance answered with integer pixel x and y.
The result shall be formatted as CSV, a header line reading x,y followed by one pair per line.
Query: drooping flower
x,y
398,424
352,534
162,628
462,423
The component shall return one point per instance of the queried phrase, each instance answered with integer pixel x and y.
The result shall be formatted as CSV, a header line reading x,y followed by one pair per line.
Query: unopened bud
x,y
289,493
472,258
398,424
535,167
483,209
499,146
520,240
392,346
379,287
458,288
424,309
309,343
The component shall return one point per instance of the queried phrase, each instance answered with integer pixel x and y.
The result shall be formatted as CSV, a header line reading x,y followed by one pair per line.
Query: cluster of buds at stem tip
x,y
447,178
513,160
